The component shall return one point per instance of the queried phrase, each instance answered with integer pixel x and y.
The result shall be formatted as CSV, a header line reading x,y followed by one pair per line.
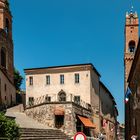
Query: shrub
x,y
8,128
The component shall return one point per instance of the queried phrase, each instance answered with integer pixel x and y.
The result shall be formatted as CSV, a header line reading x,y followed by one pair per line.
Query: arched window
x,y
132,46
7,25
131,20
62,96
3,57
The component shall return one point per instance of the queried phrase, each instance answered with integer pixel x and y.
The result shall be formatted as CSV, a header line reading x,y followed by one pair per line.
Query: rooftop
x,y
64,66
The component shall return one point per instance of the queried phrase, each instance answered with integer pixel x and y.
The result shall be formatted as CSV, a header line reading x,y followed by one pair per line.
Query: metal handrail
x,y
54,98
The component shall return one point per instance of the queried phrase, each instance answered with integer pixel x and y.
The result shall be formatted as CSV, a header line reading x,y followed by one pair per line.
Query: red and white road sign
x,y
80,136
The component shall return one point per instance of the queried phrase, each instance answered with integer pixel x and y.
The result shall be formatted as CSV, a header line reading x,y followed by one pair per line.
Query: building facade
x,y
121,132
134,103
70,92
108,113
7,89
131,64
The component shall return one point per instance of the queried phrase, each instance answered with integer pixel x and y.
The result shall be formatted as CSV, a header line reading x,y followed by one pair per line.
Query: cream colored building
x,y
7,89
36,82
79,84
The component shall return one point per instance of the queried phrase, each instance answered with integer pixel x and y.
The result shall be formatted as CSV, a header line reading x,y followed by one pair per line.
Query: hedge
x,y
8,128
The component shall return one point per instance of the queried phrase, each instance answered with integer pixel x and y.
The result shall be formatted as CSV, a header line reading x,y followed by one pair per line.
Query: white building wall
x,y
39,87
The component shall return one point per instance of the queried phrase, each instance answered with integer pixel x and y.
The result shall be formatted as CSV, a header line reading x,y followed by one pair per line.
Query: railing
x,y
49,98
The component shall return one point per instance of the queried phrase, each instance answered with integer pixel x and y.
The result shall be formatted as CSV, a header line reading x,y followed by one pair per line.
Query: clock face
x,y
80,136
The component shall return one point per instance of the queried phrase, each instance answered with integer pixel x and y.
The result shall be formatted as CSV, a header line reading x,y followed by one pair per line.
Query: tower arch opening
x,y
132,46
7,25
3,57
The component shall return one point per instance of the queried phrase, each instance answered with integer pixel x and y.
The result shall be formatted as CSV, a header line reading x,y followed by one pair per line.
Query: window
x,y
101,121
131,20
3,57
134,121
7,26
62,96
31,100
47,80
5,87
132,46
61,79
11,100
77,78
77,99
48,99
30,80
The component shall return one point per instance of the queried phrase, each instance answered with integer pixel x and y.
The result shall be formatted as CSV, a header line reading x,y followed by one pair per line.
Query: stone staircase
x,y
31,129
42,134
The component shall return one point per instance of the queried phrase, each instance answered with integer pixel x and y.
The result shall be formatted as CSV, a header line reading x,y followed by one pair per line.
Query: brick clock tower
x,y
131,42
7,89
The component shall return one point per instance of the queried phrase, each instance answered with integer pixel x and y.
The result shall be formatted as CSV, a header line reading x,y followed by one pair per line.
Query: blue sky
x,y
62,32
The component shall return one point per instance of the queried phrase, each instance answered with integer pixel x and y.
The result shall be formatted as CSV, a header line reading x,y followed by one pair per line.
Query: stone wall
x,y
45,115
7,91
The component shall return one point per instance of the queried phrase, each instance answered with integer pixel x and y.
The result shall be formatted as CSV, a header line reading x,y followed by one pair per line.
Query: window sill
x,y
77,83
47,84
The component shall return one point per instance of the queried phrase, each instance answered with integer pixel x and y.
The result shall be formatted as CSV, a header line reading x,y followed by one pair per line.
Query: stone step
x,y
47,135
44,131
35,136
43,138
43,134
39,130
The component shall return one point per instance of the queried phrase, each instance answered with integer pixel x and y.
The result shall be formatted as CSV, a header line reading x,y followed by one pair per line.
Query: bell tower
x,y
6,42
131,41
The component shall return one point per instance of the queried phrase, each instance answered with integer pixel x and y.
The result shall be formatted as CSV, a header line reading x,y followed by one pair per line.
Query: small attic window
x,y
132,46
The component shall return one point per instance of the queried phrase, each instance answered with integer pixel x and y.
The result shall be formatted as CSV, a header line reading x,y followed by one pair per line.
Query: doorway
x,y
80,127
59,121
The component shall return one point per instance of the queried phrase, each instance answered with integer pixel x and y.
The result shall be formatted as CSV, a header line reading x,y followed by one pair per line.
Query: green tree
x,y
17,80
8,128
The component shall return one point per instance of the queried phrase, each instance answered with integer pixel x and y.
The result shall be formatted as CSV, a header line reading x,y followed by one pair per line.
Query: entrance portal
x,y
59,121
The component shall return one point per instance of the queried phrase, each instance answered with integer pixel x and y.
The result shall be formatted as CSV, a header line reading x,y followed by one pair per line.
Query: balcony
x,y
55,98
